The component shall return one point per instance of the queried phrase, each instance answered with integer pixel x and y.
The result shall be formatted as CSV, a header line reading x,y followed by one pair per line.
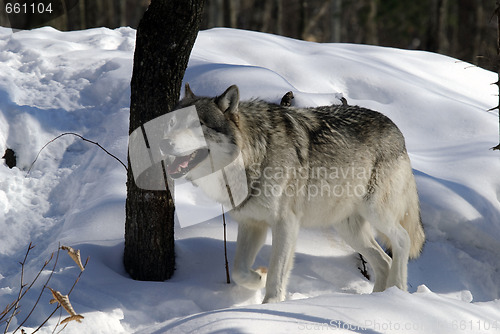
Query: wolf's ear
x,y
188,93
228,102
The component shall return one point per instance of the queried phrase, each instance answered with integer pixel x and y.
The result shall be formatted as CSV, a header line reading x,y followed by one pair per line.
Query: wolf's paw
x,y
398,282
273,299
274,295
251,279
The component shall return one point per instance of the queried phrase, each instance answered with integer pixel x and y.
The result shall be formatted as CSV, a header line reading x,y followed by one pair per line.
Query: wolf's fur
x,y
341,166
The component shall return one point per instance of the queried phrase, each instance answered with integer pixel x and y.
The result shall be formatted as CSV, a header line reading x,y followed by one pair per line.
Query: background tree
x,y
497,13
165,37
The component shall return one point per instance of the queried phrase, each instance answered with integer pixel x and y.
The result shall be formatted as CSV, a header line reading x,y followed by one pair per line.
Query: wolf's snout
x,y
166,146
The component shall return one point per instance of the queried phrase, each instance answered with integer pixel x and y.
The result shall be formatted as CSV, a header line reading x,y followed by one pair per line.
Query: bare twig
x,y
82,138
79,275
63,300
228,279
21,288
12,309
44,286
11,306
59,306
4,312
59,322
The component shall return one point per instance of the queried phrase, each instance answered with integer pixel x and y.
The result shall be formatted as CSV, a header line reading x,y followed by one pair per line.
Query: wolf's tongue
x,y
184,164
178,162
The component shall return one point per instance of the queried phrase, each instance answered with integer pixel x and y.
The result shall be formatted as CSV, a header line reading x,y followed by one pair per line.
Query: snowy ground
x,y
52,82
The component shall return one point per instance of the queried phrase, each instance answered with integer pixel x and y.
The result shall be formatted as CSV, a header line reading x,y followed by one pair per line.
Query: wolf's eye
x,y
171,122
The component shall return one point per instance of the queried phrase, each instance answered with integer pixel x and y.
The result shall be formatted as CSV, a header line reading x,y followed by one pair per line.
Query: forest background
x,y
463,29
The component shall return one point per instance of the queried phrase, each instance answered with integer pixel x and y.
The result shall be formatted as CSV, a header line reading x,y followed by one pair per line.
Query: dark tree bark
x,y
335,21
303,18
497,13
437,32
230,13
371,23
165,37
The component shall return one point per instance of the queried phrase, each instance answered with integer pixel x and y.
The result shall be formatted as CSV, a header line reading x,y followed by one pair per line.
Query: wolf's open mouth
x,y
181,165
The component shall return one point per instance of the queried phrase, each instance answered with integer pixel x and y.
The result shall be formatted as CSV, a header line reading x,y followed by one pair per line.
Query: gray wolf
x,y
341,166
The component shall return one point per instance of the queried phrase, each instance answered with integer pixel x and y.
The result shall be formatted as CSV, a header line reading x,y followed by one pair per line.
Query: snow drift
x,y
53,82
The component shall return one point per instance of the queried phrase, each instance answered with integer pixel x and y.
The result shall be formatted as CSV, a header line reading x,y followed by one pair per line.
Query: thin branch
x,y
228,279
44,286
21,288
79,275
58,322
82,138
5,311
59,305
9,308
12,309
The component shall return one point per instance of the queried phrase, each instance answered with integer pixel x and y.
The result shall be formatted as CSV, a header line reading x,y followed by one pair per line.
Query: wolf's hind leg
x,y
400,243
400,246
357,233
251,237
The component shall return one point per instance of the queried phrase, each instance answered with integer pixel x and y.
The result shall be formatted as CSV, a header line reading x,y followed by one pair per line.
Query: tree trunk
x,y
335,21
497,13
443,43
304,18
165,37
279,17
371,23
231,8
438,27
478,31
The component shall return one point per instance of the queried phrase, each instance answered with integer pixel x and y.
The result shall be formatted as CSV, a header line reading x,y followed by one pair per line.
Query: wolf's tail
x,y
408,209
413,225
412,221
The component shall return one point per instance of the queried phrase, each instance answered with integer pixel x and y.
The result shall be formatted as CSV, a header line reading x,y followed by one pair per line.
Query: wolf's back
x,y
344,136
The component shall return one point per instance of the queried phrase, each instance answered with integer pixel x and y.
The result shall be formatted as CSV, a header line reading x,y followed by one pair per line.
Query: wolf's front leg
x,y
283,249
251,237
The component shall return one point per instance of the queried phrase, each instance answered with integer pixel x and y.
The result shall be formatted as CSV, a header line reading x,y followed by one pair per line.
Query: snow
x,y
53,82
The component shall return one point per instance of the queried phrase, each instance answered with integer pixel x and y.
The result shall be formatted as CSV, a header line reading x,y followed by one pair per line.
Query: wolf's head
x,y
218,120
